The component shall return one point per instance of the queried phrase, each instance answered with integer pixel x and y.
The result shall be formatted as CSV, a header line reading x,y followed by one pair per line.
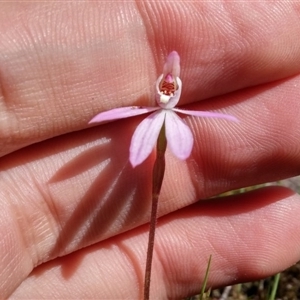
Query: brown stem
x,y
157,179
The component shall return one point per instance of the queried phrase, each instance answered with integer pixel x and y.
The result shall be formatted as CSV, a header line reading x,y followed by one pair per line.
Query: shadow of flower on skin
x,y
117,198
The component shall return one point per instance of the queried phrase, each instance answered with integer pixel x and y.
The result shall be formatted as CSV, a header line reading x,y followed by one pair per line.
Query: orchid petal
x,y
207,114
121,113
179,136
145,137
172,65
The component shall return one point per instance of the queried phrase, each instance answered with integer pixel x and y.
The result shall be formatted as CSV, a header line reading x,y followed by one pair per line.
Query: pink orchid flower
x,y
178,134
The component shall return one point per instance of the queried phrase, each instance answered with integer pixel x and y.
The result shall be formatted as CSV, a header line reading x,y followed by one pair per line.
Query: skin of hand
x,y
73,211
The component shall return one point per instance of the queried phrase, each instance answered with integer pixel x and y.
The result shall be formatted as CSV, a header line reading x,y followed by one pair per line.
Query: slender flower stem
x,y
157,179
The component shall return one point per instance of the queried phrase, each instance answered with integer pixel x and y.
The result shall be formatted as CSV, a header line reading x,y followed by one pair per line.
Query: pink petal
x,y
172,65
179,136
145,137
121,113
207,114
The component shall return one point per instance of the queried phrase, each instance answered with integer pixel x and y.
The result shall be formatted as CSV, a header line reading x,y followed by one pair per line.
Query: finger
x,y
263,147
225,47
62,64
249,237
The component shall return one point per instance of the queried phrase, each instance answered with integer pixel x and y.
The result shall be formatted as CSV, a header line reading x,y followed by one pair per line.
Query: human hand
x,y
65,186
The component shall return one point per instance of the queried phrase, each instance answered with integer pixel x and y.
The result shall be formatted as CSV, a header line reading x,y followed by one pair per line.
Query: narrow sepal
x,y
122,113
206,114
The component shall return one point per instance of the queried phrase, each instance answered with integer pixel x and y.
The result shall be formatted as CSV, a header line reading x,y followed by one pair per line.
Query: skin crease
x,y
73,209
